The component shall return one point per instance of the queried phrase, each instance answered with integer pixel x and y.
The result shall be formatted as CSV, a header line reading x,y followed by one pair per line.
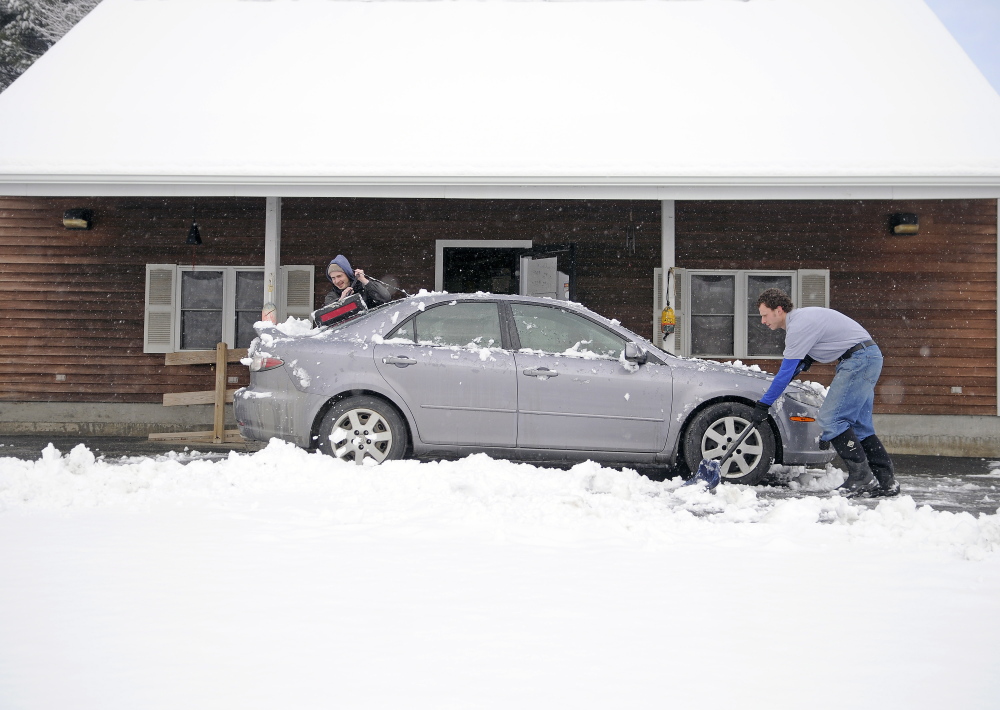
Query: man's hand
x,y
804,365
759,412
359,274
346,292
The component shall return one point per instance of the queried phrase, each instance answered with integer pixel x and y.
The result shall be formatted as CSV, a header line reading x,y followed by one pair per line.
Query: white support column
x,y
998,307
667,258
272,252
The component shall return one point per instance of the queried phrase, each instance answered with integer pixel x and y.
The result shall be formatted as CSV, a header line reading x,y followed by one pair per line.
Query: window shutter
x,y
158,327
297,288
814,288
658,303
681,336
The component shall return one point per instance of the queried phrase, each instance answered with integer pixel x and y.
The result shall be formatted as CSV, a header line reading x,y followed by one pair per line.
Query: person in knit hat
x,y
347,281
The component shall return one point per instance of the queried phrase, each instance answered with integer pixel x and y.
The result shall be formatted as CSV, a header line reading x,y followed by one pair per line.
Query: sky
x,y
975,24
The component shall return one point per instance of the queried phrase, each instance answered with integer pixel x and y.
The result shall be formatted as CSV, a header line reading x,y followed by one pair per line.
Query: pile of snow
x,y
503,497
284,579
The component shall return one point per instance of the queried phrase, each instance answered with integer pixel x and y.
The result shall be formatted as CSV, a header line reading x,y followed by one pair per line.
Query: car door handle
x,y
541,372
399,361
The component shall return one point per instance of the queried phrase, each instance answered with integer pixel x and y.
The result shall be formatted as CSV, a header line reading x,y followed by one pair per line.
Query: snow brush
x,y
710,470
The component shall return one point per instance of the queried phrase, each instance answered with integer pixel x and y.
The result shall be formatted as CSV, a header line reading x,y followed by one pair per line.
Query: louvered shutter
x,y
297,289
158,326
814,288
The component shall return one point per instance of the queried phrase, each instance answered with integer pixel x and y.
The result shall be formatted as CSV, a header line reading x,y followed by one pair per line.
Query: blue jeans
x,y
852,395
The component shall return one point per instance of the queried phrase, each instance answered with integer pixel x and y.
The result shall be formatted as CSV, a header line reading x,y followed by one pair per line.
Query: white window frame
x,y
815,293
163,311
228,301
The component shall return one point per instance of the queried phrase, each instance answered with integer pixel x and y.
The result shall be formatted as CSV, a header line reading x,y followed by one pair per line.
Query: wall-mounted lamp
x,y
194,234
904,223
78,218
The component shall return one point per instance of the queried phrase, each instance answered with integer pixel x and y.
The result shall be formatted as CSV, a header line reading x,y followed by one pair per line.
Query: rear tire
x,y
360,428
711,432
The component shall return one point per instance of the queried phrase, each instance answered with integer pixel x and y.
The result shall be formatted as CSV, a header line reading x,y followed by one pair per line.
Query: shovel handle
x,y
729,452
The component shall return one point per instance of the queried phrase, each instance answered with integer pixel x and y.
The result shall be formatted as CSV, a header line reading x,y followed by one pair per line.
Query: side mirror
x,y
633,353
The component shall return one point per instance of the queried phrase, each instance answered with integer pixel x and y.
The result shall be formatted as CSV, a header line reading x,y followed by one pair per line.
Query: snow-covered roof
x,y
654,98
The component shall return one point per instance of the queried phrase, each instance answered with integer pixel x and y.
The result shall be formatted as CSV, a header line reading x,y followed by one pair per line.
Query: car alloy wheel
x,y
361,428
714,429
720,435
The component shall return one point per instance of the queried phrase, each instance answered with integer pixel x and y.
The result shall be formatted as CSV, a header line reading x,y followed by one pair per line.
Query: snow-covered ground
x,y
283,579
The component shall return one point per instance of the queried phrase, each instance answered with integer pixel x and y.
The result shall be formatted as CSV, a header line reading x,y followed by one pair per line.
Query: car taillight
x,y
264,362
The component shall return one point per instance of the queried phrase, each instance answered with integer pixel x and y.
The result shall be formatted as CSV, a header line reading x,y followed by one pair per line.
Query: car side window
x,y
475,325
554,330
403,332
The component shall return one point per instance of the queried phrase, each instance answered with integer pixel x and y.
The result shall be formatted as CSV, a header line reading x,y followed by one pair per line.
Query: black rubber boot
x,y
860,480
881,466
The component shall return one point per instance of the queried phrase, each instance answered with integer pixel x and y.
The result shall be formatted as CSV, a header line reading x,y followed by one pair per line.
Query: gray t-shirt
x,y
821,333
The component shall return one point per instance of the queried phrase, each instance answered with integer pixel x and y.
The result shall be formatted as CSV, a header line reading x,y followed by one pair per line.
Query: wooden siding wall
x,y
75,298
929,300
397,238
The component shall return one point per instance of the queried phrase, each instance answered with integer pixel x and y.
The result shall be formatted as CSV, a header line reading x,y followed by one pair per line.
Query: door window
x,y
473,325
554,330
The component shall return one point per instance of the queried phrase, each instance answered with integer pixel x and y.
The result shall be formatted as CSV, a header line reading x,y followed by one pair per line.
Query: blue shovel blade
x,y
708,471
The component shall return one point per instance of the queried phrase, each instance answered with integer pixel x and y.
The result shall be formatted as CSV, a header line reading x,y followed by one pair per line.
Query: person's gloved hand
x,y
804,365
759,412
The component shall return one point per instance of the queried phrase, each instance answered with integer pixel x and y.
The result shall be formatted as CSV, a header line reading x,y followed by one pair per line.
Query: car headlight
x,y
806,397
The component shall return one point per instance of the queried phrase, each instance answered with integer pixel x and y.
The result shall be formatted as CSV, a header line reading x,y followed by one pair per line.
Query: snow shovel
x,y
710,470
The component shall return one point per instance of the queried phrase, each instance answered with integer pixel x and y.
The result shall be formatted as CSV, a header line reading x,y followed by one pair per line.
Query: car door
x,y
448,365
574,393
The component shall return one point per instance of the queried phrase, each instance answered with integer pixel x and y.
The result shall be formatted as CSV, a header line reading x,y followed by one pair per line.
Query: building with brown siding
x,y
727,145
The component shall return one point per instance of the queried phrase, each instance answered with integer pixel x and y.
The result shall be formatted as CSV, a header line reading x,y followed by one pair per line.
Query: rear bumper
x,y
265,414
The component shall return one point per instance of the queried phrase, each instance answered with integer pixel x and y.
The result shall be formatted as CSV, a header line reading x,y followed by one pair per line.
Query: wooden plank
x,y
232,436
178,399
220,391
203,357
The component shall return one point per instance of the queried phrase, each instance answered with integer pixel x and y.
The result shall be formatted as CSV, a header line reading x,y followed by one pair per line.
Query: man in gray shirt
x,y
825,335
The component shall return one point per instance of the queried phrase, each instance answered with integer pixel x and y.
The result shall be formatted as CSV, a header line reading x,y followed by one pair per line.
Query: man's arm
x,y
788,370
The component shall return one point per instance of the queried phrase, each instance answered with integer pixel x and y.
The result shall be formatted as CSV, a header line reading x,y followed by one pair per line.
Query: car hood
x,y
732,369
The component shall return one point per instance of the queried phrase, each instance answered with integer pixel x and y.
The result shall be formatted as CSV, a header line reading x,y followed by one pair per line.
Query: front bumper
x,y
800,439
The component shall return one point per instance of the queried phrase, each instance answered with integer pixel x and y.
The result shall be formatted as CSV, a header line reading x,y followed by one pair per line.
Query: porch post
x,y
272,254
667,260
998,307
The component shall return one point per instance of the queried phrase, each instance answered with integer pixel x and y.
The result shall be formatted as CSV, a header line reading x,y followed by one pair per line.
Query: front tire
x,y
360,428
711,432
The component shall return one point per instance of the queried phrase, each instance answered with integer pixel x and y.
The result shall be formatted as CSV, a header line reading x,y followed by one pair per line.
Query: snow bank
x,y
495,498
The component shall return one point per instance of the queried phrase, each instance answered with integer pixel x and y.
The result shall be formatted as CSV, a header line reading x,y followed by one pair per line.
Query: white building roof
x,y
644,98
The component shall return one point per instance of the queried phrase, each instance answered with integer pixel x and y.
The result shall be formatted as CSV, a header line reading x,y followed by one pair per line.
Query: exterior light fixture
x,y
194,233
78,218
904,223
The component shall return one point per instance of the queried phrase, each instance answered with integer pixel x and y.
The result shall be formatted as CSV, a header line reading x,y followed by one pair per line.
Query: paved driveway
x,y
942,482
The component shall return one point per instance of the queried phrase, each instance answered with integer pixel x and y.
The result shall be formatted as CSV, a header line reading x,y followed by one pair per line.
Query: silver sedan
x,y
446,375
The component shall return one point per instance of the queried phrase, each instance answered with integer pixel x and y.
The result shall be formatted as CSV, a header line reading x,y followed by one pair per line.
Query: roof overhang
x,y
683,188
649,99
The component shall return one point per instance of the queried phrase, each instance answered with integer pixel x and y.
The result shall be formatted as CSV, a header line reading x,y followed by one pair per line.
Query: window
x,y
195,308
475,325
719,317
554,330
